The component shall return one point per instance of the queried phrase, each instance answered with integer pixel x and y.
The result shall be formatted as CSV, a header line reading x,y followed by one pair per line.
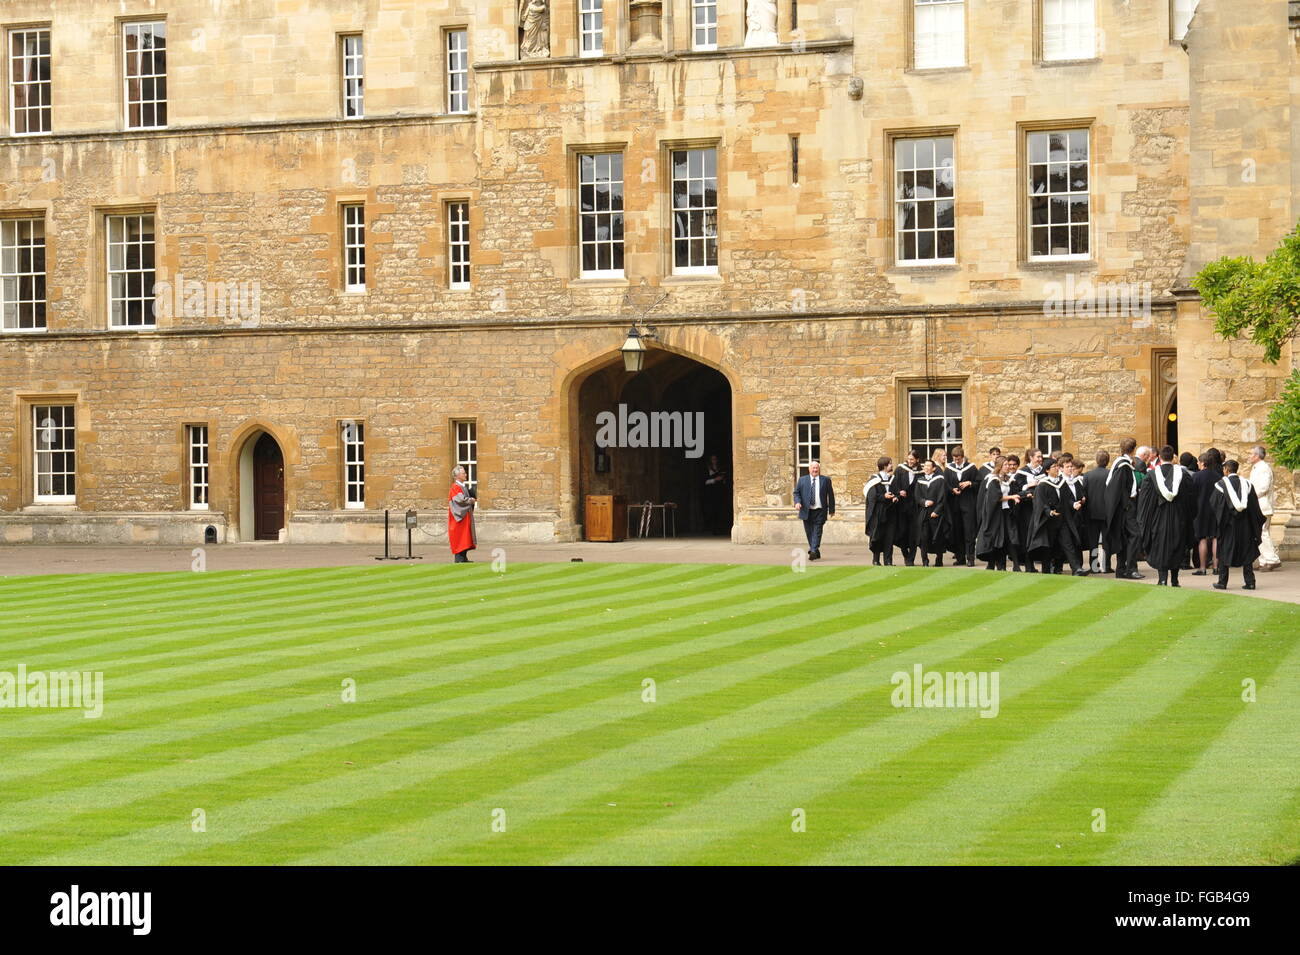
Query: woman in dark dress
x,y
1203,529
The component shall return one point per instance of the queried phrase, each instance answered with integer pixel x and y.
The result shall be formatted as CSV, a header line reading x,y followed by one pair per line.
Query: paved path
x,y
30,559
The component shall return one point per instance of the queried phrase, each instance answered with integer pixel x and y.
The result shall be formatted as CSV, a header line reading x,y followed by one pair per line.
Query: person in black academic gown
x,y
963,516
1204,482
997,536
1162,517
880,517
1026,480
987,470
905,516
930,493
1093,524
1074,512
1240,524
1122,532
1047,522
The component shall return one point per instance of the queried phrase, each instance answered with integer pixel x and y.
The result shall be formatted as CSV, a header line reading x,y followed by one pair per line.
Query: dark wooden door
x,y
268,489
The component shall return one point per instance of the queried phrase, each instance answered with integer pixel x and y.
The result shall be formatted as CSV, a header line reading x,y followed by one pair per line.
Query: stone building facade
x,y
358,228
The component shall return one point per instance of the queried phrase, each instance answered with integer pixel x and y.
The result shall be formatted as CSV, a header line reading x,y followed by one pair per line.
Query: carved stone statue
x,y
535,27
760,23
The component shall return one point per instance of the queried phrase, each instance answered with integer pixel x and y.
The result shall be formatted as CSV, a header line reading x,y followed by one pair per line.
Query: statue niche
x,y
534,29
760,23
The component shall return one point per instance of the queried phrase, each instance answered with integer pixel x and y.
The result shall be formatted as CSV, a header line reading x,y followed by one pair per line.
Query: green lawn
x,y
523,692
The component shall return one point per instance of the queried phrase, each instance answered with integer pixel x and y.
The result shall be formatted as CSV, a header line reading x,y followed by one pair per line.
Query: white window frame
x,y
13,245
595,170
352,436
147,276
48,444
459,274
157,30
466,438
45,86
1067,33
807,443
458,71
690,237
1180,17
928,445
354,246
919,160
352,76
1073,136
924,11
199,464
704,24
591,26
1055,439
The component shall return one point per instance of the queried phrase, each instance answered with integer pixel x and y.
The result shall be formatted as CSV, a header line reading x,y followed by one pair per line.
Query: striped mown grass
x,y
520,699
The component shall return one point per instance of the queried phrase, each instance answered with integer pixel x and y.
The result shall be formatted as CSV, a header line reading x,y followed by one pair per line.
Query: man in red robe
x,y
460,517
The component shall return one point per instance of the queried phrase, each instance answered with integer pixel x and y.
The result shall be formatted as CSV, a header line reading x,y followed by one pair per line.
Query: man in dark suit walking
x,y
814,499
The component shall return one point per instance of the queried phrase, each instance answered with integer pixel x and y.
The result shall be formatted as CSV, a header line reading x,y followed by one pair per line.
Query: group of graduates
x,y
1044,514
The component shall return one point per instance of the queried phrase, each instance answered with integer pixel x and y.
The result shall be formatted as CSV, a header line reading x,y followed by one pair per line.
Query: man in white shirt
x,y
1261,476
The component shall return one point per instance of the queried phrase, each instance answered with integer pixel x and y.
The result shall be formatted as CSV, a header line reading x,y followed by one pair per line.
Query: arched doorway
x,y
261,488
673,397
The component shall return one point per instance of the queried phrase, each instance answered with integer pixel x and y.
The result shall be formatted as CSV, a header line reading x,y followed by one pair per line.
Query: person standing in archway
x,y
717,506
460,516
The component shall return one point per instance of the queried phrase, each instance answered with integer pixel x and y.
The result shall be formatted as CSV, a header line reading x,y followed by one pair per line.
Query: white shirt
x,y
1261,475
817,490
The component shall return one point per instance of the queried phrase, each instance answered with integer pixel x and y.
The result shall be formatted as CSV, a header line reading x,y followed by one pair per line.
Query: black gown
x,y
1239,532
1021,483
1045,522
1203,484
1162,521
1121,513
963,513
904,516
880,518
1074,522
998,532
932,521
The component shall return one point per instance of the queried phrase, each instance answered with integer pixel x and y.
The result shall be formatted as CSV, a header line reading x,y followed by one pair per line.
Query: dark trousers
x,y
812,527
1127,558
462,558
1247,572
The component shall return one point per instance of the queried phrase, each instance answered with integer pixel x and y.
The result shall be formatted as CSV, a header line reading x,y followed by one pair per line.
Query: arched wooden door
x,y
268,489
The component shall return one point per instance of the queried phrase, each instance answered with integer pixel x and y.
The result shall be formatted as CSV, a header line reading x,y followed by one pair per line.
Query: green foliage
x,y
1282,433
1259,299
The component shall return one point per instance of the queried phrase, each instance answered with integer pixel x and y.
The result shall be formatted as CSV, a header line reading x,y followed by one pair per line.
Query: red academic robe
x,y
460,533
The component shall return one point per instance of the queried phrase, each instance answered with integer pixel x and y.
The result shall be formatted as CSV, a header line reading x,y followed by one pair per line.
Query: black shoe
x,y
889,563
1218,586
909,563
875,560
1199,573
1247,586
1130,575
815,555
938,562
990,566
1175,584
1016,569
